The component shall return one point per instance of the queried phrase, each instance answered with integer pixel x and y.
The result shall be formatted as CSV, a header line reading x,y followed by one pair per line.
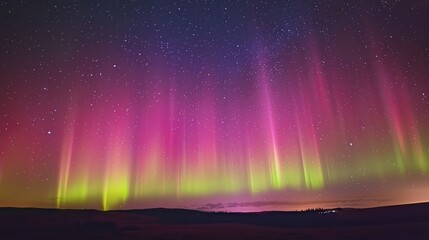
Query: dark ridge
x,y
35,223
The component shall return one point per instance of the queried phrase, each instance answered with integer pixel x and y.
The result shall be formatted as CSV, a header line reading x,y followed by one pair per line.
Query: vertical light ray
x,y
251,178
207,162
116,182
149,167
275,164
320,86
181,175
392,110
309,150
418,152
65,161
311,165
420,155
274,160
412,139
84,168
255,184
174,144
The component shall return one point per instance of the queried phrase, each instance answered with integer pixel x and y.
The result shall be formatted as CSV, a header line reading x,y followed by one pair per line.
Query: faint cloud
x,y
260,204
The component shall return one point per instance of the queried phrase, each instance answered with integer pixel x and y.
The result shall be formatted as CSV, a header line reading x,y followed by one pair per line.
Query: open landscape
x,y
214,119
391,222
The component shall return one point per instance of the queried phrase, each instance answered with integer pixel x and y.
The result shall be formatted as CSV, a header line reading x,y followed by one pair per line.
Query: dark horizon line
x,y
204,211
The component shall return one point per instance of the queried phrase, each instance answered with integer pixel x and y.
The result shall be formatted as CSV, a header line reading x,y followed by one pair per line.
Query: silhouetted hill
x,y
392,222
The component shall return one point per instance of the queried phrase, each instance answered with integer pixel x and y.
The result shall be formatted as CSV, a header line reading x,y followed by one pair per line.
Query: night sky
x,y
215,105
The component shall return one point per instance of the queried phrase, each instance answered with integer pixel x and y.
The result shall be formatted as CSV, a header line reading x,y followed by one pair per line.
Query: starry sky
x,y
214,105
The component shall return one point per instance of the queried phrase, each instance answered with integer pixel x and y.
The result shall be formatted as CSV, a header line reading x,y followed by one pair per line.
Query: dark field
x,y
392,222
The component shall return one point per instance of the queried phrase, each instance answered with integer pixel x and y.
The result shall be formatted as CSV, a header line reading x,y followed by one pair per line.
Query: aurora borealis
x,y
255,104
